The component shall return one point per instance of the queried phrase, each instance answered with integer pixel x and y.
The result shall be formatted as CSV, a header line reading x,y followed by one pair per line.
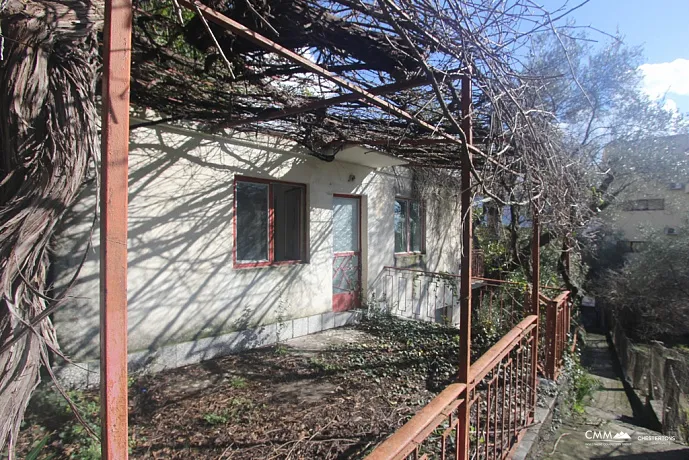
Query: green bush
x,y
648,294
582,383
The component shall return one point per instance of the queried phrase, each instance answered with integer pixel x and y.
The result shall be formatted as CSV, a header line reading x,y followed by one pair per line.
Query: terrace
x,y
336,394
376,100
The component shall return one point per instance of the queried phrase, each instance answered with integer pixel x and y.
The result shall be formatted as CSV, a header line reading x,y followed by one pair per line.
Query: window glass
x,y
345,224
252,221
644,205
638,246
415,227
288,203
656,205
401,225
346,274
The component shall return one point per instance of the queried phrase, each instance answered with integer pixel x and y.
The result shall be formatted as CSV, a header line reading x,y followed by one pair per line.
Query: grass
x,y
238,382
583,383
398,367
233,412
214,418
65,435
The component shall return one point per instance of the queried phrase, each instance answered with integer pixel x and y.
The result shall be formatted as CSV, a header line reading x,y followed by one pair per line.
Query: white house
x,y
652,206
241,241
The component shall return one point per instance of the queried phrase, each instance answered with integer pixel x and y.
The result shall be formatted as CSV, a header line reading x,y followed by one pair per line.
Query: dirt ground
x,y
326,396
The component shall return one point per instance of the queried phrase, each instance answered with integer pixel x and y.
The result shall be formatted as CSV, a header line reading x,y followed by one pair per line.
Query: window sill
x,y
242,266
415,260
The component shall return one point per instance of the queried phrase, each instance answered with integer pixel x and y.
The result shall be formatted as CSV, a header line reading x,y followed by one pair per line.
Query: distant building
x,y
652,207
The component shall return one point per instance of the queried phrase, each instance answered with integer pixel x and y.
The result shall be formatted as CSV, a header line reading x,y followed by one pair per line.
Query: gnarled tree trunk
x,y
47,135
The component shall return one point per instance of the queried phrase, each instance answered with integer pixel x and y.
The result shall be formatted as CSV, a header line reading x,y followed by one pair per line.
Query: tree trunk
x,y
47,135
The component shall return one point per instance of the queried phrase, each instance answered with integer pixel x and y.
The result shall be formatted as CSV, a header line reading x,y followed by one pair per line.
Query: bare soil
x,y
334,398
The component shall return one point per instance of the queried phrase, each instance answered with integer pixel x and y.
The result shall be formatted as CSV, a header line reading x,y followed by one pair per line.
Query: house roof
x,y
361,155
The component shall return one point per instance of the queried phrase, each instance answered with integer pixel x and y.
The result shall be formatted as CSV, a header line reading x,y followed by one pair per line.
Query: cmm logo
x,y
607,436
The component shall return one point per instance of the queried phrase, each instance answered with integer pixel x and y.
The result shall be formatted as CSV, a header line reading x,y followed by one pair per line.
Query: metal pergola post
x,y
535,300
465,273
117,33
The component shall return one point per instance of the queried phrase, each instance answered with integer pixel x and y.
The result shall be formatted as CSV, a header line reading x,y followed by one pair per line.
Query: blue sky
x,y
660,26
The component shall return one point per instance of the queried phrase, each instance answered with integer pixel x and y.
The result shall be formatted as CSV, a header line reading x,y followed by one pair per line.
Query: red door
x,y
346,252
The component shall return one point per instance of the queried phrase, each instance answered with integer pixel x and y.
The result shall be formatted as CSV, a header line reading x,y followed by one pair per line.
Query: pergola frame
x,y
113,236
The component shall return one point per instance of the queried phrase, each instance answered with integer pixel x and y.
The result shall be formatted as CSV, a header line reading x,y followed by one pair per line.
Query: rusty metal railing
x,y
557,328
500,304
504,303
431,432
477,262
500,394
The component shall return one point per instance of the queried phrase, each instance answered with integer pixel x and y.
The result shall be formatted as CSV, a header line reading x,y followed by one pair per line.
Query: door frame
x,y
346,301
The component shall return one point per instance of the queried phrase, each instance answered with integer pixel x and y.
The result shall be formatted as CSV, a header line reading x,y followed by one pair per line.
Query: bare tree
x,y
48,134
649,293
412,52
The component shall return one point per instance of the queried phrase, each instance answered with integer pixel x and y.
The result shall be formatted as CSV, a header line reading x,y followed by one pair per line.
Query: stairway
x,y
607,413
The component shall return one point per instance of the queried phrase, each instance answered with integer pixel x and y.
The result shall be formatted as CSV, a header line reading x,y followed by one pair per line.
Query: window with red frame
x,y
410,226
269,222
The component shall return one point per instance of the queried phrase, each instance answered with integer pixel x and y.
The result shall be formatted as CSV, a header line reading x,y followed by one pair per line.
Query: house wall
x,y
182,286
636,225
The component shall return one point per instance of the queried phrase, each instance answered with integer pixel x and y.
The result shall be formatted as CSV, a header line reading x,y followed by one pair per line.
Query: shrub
x,y
649,294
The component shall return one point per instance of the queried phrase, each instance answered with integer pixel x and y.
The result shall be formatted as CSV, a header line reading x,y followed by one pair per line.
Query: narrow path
x,y
607,413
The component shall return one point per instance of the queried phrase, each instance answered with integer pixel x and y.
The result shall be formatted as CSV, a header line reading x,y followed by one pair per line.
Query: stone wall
x,y
660,378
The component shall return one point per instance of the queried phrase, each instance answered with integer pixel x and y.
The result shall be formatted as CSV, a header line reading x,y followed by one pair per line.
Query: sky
x,y
661,27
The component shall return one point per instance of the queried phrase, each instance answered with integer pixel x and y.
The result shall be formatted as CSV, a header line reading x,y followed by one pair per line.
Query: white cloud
x,y
666,77
670,105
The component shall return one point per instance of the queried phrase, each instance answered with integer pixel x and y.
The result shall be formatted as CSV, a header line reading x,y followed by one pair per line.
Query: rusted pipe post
x,y
465,272
117,34
566,252
550,339
535,299
567,247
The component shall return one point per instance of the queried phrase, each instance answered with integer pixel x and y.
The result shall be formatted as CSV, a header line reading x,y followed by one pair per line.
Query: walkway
x,y
607,413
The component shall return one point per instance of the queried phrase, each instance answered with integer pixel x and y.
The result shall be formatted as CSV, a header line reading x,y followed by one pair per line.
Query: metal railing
x,y
418,294
501,304
557,327
501,395
498,304
477,262
433,432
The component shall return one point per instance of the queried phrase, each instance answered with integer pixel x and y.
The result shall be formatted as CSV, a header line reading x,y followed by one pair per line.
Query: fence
x,y
501,395
501,304
498,306
422,295
418,294
477,263
659,377
557,328
501,392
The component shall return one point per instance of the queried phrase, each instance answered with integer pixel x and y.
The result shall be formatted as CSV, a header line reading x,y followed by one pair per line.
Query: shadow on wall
x,y
181,283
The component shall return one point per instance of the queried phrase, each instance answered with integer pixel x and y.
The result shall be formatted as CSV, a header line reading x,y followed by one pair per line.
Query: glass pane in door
x,y
345,224
346,274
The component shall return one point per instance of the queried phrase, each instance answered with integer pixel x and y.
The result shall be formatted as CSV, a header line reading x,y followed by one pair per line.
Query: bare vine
x,y
189,69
